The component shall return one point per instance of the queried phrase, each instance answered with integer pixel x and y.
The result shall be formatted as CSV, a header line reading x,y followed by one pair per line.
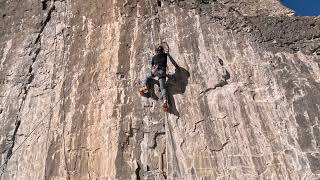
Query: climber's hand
x,y
154,69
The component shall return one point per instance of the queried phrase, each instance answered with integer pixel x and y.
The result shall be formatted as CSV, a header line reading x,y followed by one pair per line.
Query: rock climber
x,y
158,69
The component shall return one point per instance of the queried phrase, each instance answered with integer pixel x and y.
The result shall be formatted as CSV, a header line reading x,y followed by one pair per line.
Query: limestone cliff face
x,y
244,102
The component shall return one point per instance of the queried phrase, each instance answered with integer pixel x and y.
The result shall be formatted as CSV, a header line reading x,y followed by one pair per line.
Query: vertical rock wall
x,y
243,103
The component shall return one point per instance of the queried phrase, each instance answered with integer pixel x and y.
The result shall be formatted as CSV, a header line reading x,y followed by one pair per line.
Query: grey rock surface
x,y
244,102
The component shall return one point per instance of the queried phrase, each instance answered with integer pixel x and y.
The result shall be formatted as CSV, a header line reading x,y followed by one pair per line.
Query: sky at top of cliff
x,y
303,7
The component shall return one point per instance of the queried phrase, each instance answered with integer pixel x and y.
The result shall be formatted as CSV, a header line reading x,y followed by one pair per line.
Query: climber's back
x,y
160,60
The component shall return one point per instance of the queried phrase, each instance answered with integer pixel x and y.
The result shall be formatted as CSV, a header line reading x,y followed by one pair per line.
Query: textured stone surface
x,y
244,102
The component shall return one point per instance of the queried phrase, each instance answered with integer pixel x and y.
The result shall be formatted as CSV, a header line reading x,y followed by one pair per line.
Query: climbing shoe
x,y
143,90
165,106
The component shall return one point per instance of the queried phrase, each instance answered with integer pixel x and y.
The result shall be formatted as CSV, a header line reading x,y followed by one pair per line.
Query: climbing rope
x,y
166,49
166,133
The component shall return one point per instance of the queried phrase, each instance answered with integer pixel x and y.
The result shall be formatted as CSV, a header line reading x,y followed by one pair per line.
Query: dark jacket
x,y
160,60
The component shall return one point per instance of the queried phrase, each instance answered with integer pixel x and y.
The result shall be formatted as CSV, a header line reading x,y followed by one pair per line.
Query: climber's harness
x,y
160,72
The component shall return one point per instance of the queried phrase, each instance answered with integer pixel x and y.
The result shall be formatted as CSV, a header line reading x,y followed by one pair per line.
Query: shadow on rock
x,y
176,84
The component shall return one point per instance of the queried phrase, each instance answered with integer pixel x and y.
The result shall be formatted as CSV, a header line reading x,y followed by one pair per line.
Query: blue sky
x,y
303,7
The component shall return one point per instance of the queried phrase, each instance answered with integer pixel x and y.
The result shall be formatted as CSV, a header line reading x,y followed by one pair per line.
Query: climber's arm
x,y
152,61
173,61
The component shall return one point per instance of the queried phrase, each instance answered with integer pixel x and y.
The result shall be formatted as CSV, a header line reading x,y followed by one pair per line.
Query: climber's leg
x,y
162,82
163,90
145,83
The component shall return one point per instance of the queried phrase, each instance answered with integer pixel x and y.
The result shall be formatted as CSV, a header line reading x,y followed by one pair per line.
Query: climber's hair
x,y
159,50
